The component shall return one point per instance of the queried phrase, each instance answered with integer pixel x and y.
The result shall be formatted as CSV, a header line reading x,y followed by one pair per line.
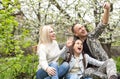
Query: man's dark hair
x,y
76,22
72,29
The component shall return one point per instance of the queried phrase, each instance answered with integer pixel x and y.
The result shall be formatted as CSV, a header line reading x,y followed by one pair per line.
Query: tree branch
x,y
54,2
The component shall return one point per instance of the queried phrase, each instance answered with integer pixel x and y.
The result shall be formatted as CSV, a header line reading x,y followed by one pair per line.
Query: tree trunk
x,y
107,48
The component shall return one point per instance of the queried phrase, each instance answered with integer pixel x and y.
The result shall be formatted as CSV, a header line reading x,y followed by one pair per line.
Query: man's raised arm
x,y
105,17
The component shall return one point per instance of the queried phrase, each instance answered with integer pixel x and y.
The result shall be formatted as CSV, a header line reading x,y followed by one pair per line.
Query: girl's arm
x,y
93,61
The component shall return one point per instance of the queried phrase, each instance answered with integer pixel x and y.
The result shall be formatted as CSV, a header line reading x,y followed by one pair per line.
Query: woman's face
x,y
52,34
78,47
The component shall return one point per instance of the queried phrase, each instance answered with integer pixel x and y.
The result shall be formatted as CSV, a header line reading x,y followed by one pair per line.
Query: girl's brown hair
x,y
70,53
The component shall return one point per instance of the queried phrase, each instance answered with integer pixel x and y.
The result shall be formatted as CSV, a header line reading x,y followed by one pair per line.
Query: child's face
x,y
78,47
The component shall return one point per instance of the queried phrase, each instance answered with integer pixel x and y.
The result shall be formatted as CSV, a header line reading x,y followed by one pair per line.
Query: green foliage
x,y
19,67
89,27
7,24
117,59
11,42
116,43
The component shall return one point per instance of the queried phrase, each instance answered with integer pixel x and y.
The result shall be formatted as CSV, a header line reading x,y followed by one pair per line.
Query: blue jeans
x,y
75,76
60,71
88,77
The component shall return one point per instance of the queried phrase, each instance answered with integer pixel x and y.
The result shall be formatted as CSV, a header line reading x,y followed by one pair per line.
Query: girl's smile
x,y
78,47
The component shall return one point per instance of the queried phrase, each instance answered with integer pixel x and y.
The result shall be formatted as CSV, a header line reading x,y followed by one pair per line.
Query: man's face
x,y
80,30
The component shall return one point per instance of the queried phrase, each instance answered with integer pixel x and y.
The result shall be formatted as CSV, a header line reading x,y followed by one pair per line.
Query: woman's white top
x,y
48,53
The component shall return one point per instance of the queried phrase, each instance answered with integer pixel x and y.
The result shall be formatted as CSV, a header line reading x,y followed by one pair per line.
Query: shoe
x,y
113,77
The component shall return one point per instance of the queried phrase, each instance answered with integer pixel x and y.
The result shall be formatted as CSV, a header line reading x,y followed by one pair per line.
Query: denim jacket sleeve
x,y
98,30
93,61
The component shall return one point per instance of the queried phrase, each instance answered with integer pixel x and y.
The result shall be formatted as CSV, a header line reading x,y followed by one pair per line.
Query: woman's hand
x,y
51,71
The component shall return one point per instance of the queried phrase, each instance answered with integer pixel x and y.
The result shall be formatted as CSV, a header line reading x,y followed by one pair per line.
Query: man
x,y
91,45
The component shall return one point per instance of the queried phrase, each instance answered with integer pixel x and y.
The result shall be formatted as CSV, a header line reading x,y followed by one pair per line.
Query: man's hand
x,y
106,6
105,17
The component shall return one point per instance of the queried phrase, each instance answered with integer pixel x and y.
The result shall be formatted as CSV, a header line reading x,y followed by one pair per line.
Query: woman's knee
x,y
65,65
41,74
53,64
38,75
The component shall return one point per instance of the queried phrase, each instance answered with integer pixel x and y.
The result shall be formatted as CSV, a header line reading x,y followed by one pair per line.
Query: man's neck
x,y
83,38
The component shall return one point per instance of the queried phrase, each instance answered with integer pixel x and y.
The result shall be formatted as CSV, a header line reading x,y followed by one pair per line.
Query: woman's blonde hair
x,y
44,34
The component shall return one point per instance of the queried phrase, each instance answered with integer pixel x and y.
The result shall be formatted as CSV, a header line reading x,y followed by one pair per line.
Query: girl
x,y
78,61
49,52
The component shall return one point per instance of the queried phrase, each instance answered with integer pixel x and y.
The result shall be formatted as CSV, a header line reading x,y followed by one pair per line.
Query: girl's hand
x,y
69,42
51,71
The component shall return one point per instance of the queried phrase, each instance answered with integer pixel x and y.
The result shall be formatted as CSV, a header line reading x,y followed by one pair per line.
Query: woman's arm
x,y
65,49
42,57
43,60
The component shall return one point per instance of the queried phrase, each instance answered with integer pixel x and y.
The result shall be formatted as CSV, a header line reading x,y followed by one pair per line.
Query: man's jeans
x,y
60,71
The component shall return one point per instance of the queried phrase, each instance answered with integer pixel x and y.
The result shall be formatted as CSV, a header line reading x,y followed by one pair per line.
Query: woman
x,y
49,53
78,62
